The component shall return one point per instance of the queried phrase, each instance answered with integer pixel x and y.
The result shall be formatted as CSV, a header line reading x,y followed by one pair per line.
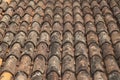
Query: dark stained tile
x,y
53,76
112,27
82,64
100,75
68,64
81,49
103,4
114,75
107,49
87,10
58,10
96,64
67,50
117,48
111,64
79,37
3,50
112,3
101,27
104,38
56,37
68,37
44,37
94,4
98,18
55,50
54,66
96,10
50,4
29,50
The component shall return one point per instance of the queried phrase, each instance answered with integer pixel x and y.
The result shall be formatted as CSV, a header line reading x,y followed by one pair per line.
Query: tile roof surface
x,y
60,40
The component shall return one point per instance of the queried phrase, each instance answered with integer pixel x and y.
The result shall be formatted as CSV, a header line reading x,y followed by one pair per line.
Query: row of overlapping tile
x,y
60,40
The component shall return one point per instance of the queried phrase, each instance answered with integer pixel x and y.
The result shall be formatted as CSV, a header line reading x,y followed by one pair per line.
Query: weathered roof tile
x,y
60,40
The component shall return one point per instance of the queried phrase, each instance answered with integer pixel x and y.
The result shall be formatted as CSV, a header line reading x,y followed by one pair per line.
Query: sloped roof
x,y
60,40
